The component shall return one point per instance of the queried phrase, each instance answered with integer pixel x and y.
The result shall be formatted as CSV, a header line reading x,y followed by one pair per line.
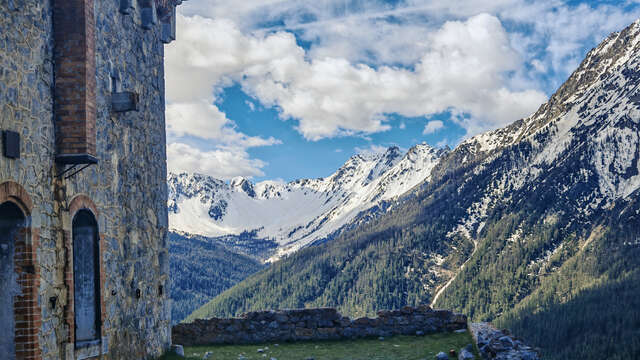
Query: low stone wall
x,y
315,324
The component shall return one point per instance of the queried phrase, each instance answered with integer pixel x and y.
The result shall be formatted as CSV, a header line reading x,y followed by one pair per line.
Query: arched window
x,y
86,278
12,221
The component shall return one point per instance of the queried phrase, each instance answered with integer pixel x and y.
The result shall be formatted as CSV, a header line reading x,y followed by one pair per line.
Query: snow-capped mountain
x,y
300,212
535,226
589,128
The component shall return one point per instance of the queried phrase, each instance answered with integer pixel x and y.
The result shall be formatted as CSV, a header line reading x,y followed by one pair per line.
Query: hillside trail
x,y
442,289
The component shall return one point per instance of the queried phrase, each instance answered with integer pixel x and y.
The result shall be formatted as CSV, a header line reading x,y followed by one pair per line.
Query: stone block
x,y
304,332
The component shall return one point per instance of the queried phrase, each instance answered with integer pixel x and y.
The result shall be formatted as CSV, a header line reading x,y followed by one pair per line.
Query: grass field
x,y
394,348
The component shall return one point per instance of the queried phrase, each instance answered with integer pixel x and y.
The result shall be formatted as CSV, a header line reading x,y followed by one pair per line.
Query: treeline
x,y
560,273
200,270
385,264
569,282
589,308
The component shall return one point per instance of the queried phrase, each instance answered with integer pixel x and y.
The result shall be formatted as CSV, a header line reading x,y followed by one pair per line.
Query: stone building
x,y
83,217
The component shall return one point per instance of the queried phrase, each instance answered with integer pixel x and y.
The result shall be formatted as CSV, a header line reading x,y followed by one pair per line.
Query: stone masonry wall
x,y
127,186
315,324
26,107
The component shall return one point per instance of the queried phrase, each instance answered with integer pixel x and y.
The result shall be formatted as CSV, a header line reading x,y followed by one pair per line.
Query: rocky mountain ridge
x,y
301,212
543,214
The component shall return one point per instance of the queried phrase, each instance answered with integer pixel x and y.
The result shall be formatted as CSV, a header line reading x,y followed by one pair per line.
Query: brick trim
x,y
69,314
26,308
13,192
81,202
75,78
27,312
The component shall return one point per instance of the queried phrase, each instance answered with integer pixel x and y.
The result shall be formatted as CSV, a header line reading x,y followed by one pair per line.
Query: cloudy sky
x,y
286,89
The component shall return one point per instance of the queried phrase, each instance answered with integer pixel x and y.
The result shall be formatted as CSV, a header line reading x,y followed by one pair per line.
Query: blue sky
x,y
287,89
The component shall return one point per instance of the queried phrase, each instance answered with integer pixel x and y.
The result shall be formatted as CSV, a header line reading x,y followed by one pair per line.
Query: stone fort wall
x,y
315,324
125,190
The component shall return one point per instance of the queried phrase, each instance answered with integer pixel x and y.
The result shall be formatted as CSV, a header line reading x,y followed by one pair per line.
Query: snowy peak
x,y
302,211
600,64
584,142
383,163
615,56
243,185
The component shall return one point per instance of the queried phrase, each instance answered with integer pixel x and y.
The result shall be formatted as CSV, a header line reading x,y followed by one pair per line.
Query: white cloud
x,y
372,149
442,143
197,69
432,126
251,105
206,121
462,69
454,57
220,163
563,32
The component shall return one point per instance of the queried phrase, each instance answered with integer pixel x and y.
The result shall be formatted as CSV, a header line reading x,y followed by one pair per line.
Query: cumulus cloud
x,y
432,126
370,58
206,121
359,30
462,69
220,163
196,73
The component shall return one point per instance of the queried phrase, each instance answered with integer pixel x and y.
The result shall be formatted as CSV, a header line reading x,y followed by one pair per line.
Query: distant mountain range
x,y
535,227
221,232
301,212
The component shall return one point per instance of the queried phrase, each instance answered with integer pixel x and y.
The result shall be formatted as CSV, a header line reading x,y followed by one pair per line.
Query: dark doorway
x,y
12,223
86,278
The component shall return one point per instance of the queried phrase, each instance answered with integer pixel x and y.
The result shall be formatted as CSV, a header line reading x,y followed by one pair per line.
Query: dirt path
x,y
442,289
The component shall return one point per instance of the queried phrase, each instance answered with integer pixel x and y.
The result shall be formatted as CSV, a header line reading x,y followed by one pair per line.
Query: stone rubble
x,y
466,353
497,344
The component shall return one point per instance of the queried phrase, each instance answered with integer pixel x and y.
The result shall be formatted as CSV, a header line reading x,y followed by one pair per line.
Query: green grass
x,y
396,348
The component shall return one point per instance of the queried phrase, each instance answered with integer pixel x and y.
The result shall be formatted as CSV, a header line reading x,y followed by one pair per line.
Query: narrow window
x,y
12,220
86,278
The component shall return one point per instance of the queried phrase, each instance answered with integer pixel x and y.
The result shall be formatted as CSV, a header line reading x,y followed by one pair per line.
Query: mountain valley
x,y
545,215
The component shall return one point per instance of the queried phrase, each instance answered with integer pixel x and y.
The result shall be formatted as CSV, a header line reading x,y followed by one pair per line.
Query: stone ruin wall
x,y
315,324
126,189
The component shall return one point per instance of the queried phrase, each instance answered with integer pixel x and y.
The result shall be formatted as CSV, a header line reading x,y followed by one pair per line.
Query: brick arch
x,y
80,202
13,192
27,311
77,203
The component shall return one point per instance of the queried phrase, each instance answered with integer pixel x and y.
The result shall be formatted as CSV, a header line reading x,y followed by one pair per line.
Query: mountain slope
x,y
301,212
201,269
550,203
